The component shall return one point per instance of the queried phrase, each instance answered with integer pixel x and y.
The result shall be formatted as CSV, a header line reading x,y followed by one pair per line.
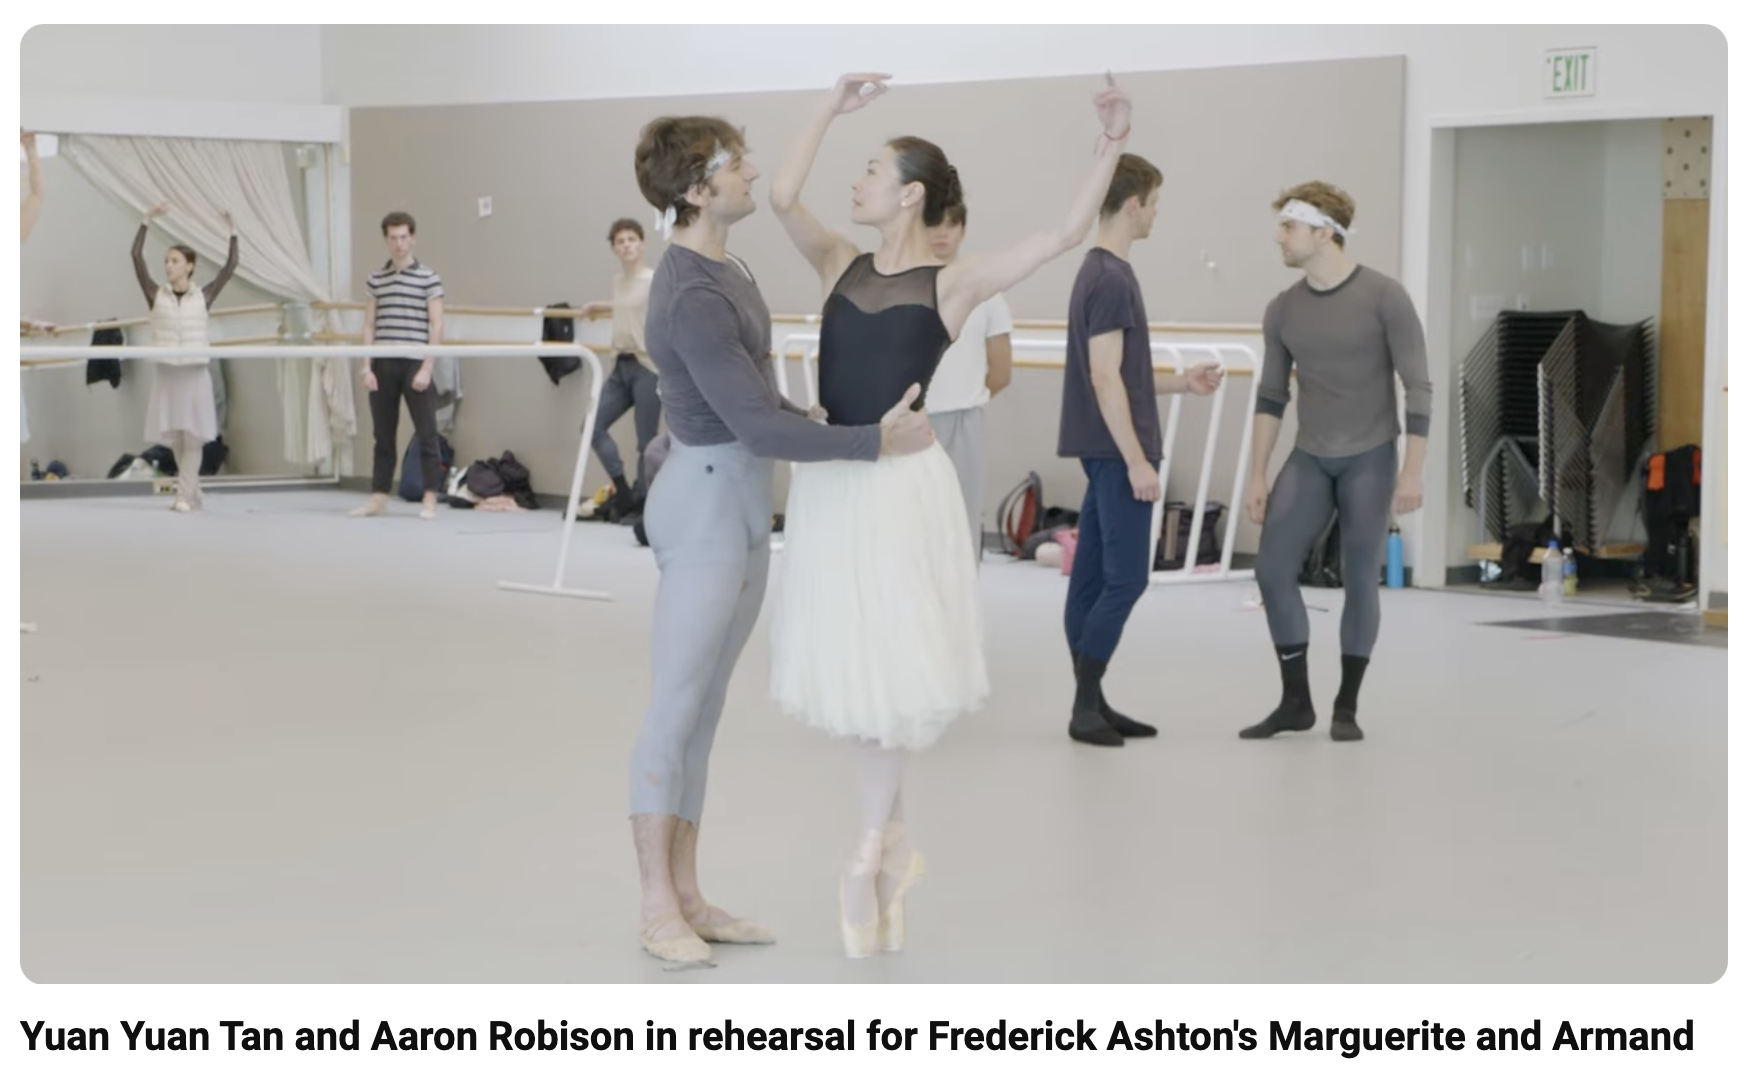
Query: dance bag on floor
x,y
409,487
1020,515
1179,519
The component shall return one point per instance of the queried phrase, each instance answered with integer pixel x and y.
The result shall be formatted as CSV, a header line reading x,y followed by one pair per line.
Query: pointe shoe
x,y
731,930
859,939
685,947
891,923
428,512
375,507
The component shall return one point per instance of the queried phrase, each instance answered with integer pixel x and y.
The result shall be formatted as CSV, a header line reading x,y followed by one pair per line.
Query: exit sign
x,y
1570,72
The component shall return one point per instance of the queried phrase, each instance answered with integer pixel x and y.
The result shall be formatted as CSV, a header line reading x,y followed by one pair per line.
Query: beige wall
x,y
559,172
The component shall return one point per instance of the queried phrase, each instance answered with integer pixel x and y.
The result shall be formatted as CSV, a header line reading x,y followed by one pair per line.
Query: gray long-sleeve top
x,y
708,331
1349,344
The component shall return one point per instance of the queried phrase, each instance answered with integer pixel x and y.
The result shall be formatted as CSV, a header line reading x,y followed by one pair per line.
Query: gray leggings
x,y
1308,491
630,385
708,519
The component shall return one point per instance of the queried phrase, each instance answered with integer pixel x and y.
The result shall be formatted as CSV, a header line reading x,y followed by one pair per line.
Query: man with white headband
x,y
1351,332
708,518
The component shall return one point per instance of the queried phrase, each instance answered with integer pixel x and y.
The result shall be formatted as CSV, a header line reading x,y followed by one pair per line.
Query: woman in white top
x,y
180,411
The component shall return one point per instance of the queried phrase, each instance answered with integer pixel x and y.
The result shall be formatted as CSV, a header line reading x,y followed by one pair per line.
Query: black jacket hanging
x,y
559,329
105,369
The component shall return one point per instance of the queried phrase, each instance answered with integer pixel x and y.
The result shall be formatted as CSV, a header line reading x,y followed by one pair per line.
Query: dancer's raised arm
x,y
972,280
828,251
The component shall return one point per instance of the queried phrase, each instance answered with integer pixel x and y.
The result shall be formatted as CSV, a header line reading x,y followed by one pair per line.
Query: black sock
x,y
1295,677
1353,670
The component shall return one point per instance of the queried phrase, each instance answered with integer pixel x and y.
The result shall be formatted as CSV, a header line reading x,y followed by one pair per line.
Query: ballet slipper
x,y
684,946
717,927
859,935
905,872
428,512
375,507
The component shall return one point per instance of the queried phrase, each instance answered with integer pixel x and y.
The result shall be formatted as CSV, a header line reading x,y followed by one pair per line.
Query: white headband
x,y
1304,212
666,221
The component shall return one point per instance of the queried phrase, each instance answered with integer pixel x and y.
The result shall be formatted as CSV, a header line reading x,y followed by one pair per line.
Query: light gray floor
x,y
270,743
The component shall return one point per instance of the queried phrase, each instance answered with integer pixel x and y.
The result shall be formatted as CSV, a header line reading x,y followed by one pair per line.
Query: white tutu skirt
x,y
877,624
181,399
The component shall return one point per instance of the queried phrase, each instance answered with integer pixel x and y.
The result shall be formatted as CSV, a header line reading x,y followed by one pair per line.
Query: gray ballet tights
x,y
1308,491
708,518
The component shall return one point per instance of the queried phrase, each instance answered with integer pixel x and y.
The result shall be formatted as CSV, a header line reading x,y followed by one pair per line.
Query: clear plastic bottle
x,y
1552,579
1569,573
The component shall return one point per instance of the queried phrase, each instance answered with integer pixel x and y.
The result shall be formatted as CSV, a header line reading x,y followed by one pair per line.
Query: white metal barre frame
x,y
268,352
1176,351
1198,506
777,543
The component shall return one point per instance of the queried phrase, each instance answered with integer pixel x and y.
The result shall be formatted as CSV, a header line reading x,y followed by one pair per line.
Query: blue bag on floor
x,y
408,487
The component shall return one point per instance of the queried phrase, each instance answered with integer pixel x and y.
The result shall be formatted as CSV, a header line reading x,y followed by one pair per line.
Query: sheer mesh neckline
x,y
871,291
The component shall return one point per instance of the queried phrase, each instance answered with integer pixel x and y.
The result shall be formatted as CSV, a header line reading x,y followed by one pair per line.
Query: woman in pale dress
x,y
180,410
877,630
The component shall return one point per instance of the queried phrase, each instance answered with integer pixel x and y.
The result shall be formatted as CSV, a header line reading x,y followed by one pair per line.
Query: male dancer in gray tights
x,y
1349,330
709,517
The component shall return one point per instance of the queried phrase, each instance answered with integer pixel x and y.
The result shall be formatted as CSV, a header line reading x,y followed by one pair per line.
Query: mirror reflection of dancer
x,y
878,632
1350,331
180,410
709,518
28,211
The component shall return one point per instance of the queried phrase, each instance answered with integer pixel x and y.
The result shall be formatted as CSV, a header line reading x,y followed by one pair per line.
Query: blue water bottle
x,y
1393,558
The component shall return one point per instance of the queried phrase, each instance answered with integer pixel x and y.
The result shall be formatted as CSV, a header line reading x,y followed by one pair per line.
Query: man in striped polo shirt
x,y
405,302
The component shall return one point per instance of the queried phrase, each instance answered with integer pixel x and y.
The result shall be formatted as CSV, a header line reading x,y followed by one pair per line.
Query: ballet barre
x,y
47,353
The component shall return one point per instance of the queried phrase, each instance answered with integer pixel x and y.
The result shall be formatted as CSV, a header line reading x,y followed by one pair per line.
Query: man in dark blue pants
x,y
1110,421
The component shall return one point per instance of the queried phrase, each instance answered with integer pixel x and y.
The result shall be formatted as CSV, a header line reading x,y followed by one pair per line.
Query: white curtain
x,y
199,179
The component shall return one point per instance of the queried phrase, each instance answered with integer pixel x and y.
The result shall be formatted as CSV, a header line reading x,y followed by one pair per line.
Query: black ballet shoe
x,y
1089,725
1126,726
1098,735
1343,728
1285,718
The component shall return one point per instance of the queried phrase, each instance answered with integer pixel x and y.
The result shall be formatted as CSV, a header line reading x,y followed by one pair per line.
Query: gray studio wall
x,y
1227,140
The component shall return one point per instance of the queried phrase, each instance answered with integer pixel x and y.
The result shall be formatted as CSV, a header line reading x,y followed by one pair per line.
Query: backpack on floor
x,y
1323,563
1020,515
213,456
409,487
1179,518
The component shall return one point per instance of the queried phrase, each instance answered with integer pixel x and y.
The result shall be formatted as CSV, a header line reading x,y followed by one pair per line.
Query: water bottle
x,y
1552,568
1569,573
1393,558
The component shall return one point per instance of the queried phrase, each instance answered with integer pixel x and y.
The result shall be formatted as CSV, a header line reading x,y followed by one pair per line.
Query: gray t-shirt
x,y
708,332
1349,344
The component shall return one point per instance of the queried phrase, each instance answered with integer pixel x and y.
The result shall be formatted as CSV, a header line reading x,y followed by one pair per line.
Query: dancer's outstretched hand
x,y
1115,110
854,91
904,430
